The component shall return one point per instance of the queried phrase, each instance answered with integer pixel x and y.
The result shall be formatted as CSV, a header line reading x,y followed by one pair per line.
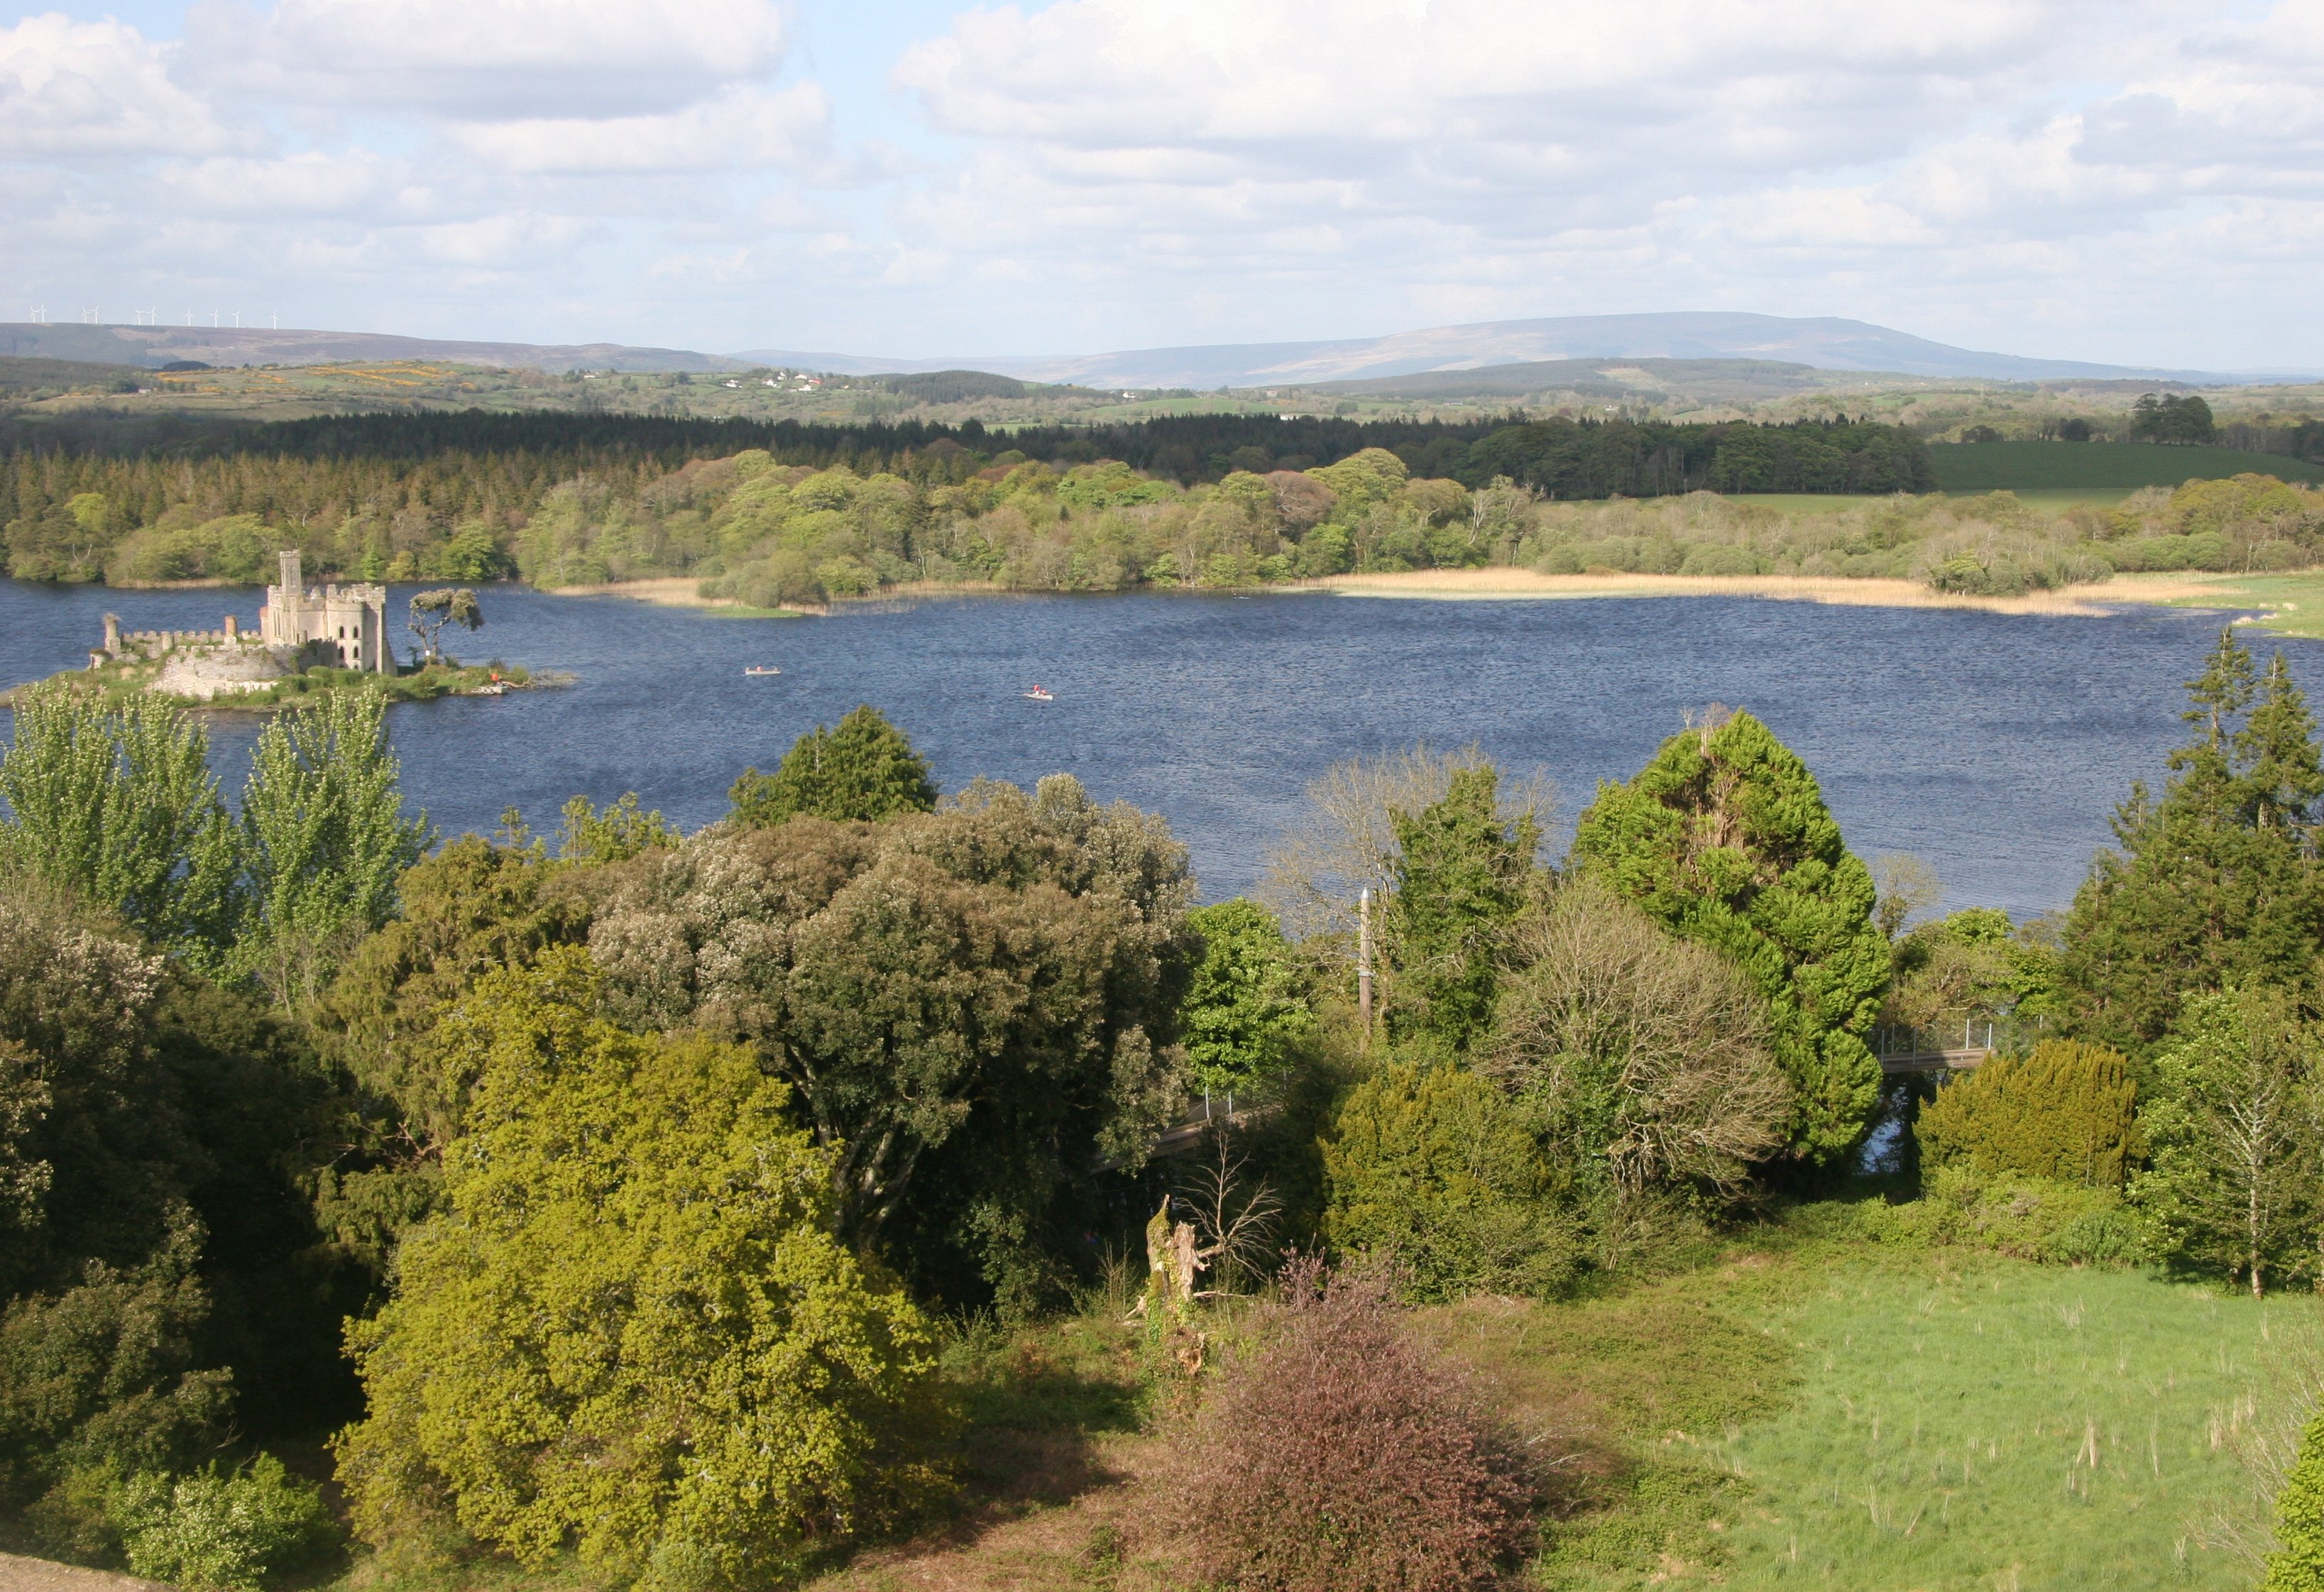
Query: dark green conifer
x,y
2215,883
1724,838
2066,1112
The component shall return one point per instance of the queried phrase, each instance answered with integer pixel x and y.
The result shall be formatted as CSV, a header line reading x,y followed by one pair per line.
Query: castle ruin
x,y
349,621
337,627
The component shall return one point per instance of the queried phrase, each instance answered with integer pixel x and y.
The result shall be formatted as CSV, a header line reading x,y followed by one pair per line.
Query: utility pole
x,y
1364,971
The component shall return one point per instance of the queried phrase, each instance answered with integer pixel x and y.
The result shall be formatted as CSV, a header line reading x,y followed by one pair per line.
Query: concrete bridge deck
x,y
1933,1061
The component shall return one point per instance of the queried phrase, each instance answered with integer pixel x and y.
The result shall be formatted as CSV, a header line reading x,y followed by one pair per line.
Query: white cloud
x,y
492,59
2125,180
1948,165
747,127
72,89
307,183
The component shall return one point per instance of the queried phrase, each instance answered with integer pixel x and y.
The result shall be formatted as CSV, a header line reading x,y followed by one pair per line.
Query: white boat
x,y
761,669
1040,693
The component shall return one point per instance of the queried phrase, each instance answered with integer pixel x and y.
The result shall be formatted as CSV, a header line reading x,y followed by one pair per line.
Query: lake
x,y
1995,746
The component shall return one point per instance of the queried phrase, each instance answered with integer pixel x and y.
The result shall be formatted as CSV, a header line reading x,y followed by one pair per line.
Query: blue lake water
x,y
1995,746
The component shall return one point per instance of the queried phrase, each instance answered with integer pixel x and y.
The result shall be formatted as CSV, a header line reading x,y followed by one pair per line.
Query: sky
x,y
2119,180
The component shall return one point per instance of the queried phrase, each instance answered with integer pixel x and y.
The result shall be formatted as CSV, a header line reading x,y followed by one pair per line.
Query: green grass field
x,y
2292,605
2007,1426
2048,501
1947,1422
2021,467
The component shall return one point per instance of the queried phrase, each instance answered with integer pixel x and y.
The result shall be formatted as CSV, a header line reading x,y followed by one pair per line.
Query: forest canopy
x,y
452,496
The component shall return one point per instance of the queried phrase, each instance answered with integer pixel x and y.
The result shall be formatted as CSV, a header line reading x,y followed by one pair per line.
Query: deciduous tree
x,y
1244,1018
864,768
1645,1054
118,805
324,839
1462,877
2233,1183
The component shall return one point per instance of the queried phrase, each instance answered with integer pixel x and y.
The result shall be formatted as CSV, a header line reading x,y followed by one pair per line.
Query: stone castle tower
x,y
350,620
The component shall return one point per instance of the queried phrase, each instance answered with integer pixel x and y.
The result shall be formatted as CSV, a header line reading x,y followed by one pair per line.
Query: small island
x,y
309,641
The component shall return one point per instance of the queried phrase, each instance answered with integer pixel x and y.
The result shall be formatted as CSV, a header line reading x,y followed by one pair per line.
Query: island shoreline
x,y
1503,584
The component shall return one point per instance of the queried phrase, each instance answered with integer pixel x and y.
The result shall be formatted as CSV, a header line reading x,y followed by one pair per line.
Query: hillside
x,y
155,346
1823,342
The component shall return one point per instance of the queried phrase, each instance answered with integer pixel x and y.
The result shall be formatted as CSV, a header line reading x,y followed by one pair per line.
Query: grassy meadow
x,y
1791,1415
2049,501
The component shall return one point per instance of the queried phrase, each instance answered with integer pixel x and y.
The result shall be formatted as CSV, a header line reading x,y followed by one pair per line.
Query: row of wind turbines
x,y
93,317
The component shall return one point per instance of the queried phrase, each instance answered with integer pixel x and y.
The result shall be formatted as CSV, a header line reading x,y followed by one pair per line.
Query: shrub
x,y
1340,1456
220,1531
2066,1112
1437,1167
2298,1565
632,1329
2031,1219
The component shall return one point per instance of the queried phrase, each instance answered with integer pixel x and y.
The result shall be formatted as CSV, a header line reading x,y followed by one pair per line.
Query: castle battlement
x,y
349,621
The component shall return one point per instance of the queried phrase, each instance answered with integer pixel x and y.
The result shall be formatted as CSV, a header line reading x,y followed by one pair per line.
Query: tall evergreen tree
x,y
1459,880
1724,838
864,768
2216,882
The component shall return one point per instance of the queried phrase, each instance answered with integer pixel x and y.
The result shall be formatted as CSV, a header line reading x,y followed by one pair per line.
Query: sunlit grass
x,y
2005,1426
2294,604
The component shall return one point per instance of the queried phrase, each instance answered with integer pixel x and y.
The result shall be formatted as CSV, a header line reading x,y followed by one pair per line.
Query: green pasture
x,y
2021,467
1957,1423
2049,500
2291,604
2005,1426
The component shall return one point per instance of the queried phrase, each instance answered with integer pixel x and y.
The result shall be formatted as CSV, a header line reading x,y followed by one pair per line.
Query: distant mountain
x,y
155,346
1620,380
1823,342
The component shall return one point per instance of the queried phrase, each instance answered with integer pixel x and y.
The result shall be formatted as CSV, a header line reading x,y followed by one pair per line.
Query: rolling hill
x,y
1820,342
1776,346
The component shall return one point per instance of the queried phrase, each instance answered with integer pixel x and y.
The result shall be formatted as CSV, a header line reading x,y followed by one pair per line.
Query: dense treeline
x,y
648,1167
1563,458
448,495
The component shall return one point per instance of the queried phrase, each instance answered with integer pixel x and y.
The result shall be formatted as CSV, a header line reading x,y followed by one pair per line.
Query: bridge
x,y
1893,1064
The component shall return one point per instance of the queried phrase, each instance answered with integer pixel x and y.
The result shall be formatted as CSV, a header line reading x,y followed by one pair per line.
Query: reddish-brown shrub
x,y
1340,1455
